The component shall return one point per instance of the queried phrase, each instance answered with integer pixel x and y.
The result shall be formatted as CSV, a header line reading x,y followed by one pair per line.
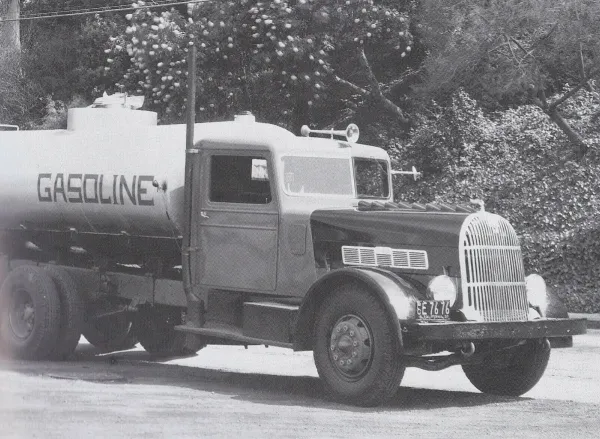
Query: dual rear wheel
x,y
42,317
152,326
41,314
111,333
155,327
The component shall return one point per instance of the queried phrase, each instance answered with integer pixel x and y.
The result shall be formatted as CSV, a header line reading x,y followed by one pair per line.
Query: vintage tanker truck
x,y
254,236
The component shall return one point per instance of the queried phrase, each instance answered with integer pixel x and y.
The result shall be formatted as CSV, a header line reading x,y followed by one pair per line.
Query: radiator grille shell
x,y
492,272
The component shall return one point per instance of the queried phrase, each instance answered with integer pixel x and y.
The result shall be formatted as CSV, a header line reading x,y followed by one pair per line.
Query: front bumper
x,y
446,331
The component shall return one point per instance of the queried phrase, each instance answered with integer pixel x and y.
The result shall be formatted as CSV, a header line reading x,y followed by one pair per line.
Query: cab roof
x,y
279,141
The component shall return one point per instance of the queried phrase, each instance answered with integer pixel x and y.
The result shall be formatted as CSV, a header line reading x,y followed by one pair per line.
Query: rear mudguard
x,y
396,294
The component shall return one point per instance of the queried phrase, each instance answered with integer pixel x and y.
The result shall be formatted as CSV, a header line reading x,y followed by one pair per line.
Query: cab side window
x,y
239,179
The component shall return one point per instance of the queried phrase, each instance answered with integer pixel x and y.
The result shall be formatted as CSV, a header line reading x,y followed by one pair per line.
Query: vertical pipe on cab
x,y
194,305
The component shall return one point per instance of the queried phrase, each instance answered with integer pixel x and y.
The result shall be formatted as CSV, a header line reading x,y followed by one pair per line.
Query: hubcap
x,y
351,346
21,316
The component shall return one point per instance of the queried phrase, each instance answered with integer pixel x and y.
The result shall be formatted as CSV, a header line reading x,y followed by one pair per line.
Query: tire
x,y
353,326
112,333
72,313
155,328
518,377
29,314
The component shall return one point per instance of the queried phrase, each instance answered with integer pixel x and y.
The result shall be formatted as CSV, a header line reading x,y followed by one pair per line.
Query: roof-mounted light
x,y
351,133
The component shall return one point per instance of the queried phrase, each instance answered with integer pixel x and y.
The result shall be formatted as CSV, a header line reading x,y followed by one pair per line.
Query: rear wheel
x,y
357,349
72,312
29,313
515,377
111,333
155,328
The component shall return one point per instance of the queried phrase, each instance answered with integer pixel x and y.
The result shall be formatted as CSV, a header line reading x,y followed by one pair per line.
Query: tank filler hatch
x,y
111,112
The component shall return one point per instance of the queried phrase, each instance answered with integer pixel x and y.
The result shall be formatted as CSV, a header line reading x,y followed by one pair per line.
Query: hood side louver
x,y
385,257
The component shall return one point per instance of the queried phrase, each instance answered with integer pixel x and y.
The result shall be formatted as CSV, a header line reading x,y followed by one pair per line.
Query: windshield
x,y
333,176
317,175
372,178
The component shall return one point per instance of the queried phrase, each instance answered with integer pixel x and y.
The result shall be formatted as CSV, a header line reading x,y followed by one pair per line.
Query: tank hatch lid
x,y
111,112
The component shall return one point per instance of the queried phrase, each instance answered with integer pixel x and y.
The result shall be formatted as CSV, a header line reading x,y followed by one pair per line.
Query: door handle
x,y
203,214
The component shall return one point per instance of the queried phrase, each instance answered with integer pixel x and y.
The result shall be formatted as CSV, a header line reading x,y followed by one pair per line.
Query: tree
x,y
12,101
9,30
513,51
59,59
253,54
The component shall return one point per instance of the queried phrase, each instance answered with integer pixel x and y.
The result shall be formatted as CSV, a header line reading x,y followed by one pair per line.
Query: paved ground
x,y
259,392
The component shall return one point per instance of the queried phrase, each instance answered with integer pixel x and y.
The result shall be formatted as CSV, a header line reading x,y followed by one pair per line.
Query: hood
x,y
434,232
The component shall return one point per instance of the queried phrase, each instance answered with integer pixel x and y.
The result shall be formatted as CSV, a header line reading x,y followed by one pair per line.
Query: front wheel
x,y
515,377
357,349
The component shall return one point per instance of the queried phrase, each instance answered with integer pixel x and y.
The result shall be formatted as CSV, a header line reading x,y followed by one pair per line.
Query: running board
x,y
268,323
228,332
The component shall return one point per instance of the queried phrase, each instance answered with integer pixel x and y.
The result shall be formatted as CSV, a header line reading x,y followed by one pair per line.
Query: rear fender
x,y
396,294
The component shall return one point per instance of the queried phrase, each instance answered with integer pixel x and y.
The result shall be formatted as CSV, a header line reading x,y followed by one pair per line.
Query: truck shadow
x,y
138,367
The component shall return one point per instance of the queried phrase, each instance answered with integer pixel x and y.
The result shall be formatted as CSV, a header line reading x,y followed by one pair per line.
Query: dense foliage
x,y
256,55
513,51
516,161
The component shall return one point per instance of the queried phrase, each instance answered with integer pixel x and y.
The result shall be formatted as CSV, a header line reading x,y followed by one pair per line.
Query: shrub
x,y
520,164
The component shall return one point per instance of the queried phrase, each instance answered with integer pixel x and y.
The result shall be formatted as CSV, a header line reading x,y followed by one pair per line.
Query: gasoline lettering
x,y
95,189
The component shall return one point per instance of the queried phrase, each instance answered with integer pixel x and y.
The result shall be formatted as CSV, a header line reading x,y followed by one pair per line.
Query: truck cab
x,y
254,202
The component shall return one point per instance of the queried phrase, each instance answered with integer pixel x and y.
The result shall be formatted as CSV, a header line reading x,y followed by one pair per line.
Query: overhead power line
x,y
94,11
121,4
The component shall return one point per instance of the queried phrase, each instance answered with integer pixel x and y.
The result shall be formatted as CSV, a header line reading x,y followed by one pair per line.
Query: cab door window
x,y
239,179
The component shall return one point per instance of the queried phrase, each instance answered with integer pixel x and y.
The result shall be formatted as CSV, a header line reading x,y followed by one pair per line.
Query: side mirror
x,y
416,175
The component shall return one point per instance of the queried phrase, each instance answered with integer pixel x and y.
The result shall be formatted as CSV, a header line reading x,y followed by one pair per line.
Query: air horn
x,y
351,132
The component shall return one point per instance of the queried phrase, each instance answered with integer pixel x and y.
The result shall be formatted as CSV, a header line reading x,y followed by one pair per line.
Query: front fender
x,y
396,294
556,309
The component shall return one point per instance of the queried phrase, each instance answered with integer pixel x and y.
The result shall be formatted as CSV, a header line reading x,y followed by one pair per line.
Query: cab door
x,y
238,221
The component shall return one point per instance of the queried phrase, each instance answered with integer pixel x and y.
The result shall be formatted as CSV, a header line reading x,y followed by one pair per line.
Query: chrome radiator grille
x,y
492,273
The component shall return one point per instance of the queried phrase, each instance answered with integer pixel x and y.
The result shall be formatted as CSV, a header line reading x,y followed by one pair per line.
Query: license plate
x,y
433,309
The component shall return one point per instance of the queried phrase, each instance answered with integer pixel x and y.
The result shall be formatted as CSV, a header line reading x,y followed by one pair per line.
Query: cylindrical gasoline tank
x,y
113,171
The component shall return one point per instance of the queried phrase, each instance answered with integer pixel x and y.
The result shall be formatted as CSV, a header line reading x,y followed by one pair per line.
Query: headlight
x,y
536,291
442,288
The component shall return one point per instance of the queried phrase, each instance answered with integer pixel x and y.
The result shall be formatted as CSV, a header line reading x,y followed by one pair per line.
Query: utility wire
x,y
109,8
125,4
94,11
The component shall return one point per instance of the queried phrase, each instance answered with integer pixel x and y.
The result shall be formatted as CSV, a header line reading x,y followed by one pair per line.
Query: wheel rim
x,y
21,315
351,347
